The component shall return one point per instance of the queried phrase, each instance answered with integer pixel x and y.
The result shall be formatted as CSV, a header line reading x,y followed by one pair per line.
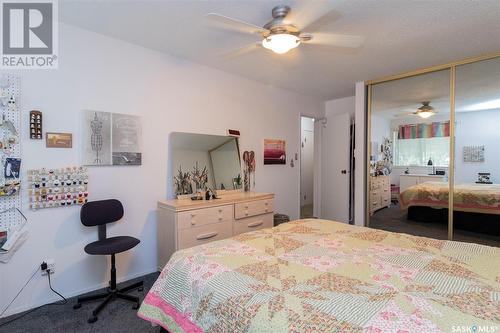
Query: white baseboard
x,y
23,308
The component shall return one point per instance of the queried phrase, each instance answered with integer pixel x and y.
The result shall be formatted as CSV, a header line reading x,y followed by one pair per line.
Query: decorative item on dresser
x,y
184,223
380,193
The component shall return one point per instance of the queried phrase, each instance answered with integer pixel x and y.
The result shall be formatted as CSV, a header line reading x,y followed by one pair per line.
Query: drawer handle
x,y
220,210
207,235
220,218
193,214
193,223
255,224
267,203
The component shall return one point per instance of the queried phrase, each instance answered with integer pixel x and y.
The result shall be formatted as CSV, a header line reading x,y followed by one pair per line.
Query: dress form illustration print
x,y
96,140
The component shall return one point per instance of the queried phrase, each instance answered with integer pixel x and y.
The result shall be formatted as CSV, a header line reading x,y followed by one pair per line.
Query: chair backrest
x,y
101,212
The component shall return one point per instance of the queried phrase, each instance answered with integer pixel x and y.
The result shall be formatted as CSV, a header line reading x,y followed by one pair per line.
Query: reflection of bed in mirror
x,y
476,206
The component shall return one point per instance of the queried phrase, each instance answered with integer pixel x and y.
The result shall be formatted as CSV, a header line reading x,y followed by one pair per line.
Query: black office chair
x,y
99,213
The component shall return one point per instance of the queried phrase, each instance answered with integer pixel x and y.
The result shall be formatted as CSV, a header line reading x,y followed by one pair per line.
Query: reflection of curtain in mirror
x,y
417,131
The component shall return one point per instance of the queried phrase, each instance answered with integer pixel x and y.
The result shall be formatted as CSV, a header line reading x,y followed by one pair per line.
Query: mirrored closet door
x,y
410,154
431,133
476,199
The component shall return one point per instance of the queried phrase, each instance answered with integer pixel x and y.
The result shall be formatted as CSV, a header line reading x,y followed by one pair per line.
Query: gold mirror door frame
x,y
451,171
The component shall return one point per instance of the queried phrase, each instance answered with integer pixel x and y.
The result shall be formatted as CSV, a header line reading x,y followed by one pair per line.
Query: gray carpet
x,y
118,316
394,219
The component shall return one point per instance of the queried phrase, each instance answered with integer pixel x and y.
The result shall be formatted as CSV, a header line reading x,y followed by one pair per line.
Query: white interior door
x,y
335,169
307,168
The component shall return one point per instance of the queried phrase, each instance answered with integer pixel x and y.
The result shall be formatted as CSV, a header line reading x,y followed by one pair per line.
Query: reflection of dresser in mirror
x,y
409,180
380,193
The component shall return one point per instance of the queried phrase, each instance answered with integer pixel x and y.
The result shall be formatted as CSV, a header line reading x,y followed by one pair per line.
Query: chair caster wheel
x,y
136,306
140,289
92,320
77,306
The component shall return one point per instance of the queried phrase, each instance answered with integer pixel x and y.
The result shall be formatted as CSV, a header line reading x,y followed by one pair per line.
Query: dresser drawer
x,y
203,234
199,217
252,223
253,208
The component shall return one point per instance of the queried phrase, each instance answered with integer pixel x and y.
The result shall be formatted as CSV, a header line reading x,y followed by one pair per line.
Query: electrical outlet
x,y
51,264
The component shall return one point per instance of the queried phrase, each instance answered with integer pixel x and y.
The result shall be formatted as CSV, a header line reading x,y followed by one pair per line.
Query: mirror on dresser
x,y
203,161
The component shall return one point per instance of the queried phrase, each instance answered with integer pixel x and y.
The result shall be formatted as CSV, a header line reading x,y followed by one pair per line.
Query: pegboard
x,y
10,109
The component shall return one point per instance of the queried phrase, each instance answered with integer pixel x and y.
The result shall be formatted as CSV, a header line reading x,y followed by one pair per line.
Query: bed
x,y
476,206
324,276
474,198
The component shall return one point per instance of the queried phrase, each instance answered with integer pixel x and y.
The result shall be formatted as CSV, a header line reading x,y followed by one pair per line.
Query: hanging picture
x,y
473,153
96,138
274,151
58,140
126,138
111,139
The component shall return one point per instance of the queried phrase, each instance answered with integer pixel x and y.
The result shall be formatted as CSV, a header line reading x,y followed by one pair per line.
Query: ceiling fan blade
x,y
234,24
241,51
337,40
405,115
306,14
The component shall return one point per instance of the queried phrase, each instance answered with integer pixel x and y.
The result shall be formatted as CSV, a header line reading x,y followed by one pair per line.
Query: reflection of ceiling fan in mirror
x,y
286,30
425,111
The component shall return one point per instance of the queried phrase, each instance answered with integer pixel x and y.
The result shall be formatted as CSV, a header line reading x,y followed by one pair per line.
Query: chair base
x,y
109,296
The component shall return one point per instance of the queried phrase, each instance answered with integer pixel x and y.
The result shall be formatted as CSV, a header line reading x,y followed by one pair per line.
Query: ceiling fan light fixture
x,y
281,43
426,114
425,111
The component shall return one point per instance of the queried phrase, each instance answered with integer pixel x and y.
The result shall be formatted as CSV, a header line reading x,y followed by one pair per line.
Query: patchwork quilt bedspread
x,y
325,276
476,198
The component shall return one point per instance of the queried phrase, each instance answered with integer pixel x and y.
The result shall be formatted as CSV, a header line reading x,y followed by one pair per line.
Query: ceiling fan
x,y
425,111
286,30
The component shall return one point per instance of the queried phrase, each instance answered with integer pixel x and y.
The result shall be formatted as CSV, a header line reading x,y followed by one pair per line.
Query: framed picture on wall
x,y
274,151
111,139
58,140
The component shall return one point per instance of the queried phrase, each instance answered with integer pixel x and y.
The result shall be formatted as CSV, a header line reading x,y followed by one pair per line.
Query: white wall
x,y
100,73
380,130
477,128
339,106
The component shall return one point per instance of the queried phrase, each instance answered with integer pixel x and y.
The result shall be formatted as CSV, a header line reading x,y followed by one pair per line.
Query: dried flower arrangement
x,y
182,182
199,177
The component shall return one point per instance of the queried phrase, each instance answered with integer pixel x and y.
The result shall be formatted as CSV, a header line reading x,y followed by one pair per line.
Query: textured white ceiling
x,y
401,35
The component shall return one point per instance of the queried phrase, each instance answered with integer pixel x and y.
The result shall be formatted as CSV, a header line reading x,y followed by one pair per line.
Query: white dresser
x,y
380,193
185,223
406,181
